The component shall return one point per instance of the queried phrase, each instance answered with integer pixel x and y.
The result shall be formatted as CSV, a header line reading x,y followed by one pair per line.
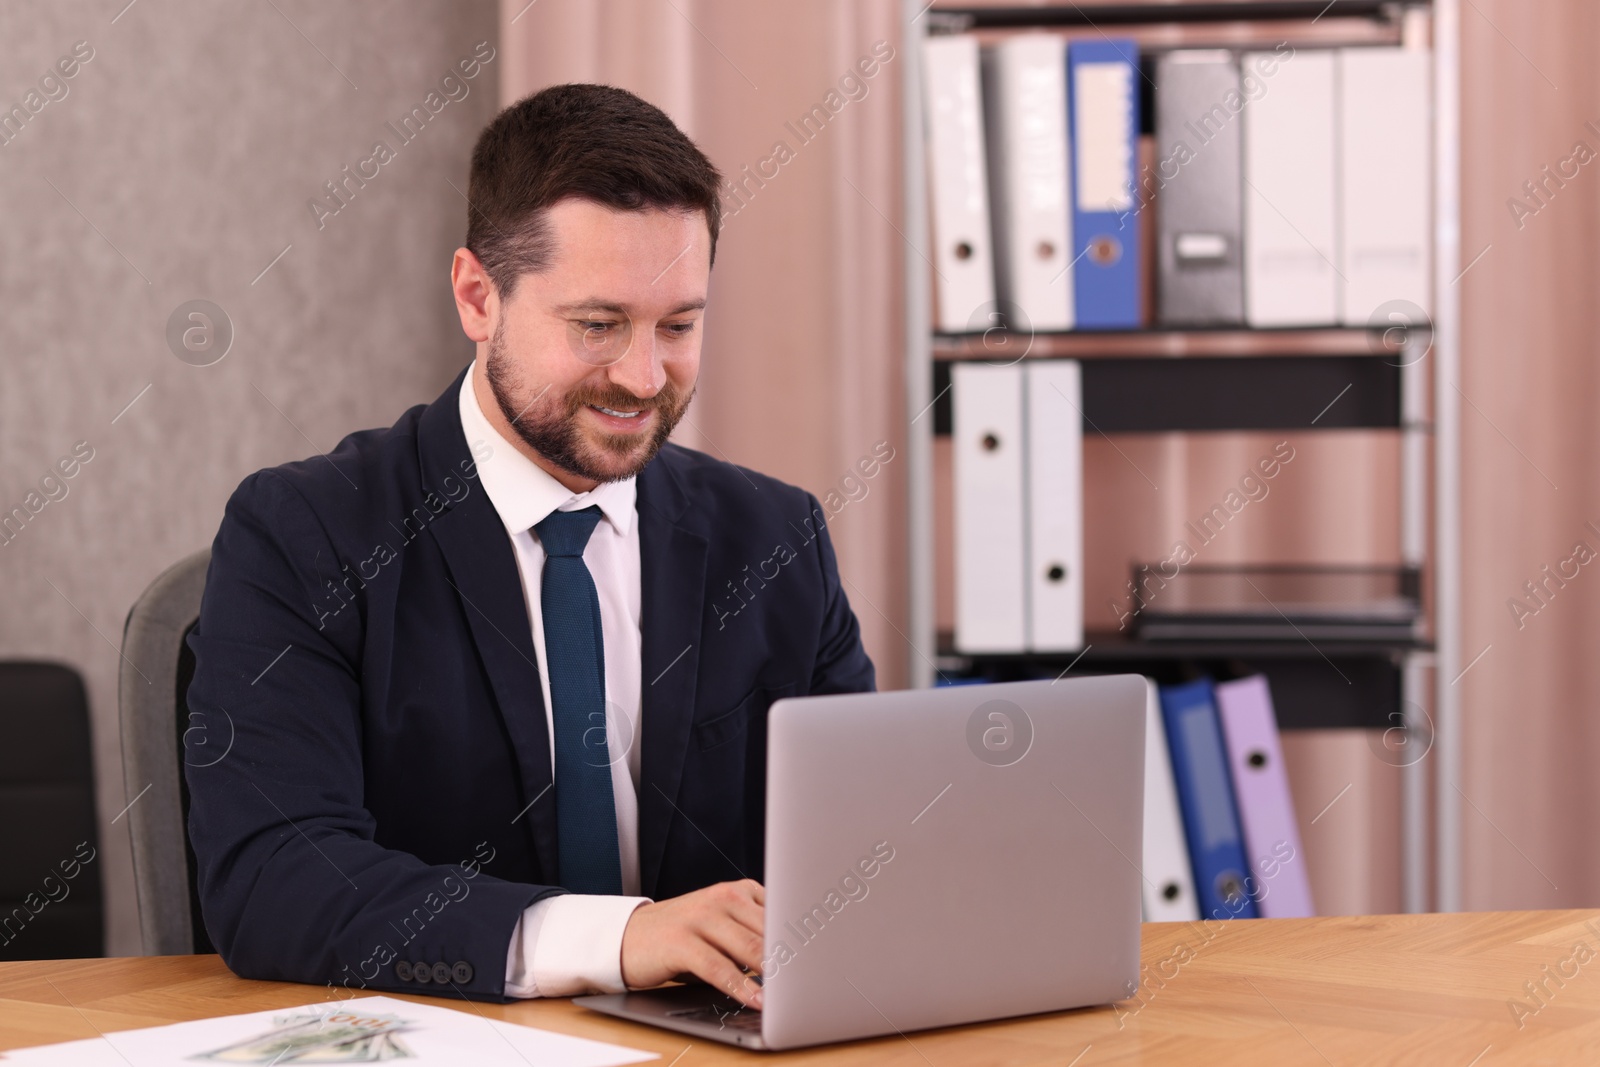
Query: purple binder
x,y
1278,878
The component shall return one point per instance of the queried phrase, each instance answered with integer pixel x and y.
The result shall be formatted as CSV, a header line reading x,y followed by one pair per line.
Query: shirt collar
x,y
522,492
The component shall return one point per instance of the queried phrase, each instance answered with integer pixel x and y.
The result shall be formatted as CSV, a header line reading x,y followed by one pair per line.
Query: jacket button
x,y
421,974
462,972
441,973
402,970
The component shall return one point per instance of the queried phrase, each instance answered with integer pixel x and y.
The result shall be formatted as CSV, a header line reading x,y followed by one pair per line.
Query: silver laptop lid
x,y
935,857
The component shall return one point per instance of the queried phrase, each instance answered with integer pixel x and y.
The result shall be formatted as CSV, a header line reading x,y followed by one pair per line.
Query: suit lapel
x,y
673,569
483,569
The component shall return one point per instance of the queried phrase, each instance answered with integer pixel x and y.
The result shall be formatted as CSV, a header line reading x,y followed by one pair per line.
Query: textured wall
x,y
178,163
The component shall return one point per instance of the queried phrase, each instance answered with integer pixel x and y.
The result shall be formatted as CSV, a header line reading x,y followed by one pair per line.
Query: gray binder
x,y
1199,131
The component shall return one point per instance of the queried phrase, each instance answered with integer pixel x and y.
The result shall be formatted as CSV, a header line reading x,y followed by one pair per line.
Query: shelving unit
x,y
1163,379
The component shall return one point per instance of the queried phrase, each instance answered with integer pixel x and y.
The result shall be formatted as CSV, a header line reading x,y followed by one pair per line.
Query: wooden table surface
x,y
1401,989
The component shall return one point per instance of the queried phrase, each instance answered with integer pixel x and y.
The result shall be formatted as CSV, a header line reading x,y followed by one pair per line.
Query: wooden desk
x,y
1401,989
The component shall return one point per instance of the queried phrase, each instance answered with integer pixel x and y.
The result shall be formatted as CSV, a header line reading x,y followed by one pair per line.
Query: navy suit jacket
x,y
383,812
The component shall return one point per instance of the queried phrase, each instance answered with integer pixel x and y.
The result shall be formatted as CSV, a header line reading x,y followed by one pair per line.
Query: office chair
x,y
50,896
157,667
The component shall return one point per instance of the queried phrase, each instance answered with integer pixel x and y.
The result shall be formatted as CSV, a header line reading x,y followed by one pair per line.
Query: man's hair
x,y
594,142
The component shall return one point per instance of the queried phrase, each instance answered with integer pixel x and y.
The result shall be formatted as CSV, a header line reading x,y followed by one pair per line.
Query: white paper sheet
x,y
421,1034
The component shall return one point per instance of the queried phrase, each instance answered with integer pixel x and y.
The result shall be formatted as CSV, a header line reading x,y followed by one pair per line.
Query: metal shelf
x,y
1396,679
1162,25
1328,685
1221,394
1114,645
1000,345
1099,12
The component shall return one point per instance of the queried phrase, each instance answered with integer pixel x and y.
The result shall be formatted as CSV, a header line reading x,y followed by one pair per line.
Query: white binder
x,y
1289,196
964,282
987,428
1168,878
1025,111
1054,465
1385,174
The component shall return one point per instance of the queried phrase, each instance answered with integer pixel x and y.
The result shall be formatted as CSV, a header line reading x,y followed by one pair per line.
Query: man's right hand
x,y
714,933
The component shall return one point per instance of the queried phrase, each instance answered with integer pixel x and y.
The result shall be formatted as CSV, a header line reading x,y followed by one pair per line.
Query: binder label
x,y
1104,102
1212,788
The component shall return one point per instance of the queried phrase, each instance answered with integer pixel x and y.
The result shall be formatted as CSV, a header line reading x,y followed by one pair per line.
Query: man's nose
x,y
639,370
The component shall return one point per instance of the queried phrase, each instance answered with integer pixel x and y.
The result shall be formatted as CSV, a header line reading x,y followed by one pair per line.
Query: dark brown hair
x,y
596,142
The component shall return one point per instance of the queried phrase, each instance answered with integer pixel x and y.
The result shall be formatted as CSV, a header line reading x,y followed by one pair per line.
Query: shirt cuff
x,y
569,944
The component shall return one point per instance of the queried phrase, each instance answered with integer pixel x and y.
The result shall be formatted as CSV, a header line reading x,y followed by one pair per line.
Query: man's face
x,y
593,361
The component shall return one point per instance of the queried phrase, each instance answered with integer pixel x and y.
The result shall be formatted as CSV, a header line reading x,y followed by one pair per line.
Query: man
x,y
497,676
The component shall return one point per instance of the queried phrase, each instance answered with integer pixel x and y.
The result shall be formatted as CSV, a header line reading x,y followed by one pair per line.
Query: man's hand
x,y
714,933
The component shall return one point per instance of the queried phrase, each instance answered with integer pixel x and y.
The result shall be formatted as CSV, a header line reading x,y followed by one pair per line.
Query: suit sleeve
x,y
842,664
292,884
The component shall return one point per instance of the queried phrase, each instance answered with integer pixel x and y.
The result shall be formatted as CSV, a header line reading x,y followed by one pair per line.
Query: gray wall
x,y
182,158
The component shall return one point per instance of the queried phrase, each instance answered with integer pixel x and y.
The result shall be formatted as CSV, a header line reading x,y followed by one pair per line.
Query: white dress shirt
x,y
572,943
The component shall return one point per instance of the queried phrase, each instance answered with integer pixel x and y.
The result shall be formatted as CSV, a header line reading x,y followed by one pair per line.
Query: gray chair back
x,y
157,667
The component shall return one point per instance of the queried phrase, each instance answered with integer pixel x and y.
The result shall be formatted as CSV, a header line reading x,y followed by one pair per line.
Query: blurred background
x,y
203,151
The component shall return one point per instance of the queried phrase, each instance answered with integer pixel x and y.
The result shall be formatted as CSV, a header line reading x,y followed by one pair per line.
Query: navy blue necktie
x,y
586,814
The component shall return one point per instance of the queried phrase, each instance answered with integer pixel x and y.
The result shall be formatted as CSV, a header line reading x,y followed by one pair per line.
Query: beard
x,y
550,427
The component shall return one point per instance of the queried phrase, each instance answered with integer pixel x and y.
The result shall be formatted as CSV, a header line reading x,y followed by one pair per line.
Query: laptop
x,y
937,857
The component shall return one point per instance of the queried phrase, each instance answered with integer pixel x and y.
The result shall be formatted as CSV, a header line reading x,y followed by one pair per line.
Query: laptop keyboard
x,y
738,1018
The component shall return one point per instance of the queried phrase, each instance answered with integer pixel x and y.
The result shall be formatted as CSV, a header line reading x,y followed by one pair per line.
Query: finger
x,y
731,899
735,941
721,974
747,913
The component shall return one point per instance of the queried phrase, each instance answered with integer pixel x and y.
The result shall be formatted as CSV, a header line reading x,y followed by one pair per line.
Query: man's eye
x,y
680,328
589,325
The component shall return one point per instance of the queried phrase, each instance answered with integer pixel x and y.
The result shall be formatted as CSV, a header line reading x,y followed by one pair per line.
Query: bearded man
x,y
499,727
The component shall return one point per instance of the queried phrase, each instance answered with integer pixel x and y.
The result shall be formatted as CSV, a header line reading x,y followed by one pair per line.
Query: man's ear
x,y
476,298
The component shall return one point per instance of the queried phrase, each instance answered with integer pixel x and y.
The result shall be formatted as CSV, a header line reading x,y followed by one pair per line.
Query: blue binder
x,y
1103,117
1205,793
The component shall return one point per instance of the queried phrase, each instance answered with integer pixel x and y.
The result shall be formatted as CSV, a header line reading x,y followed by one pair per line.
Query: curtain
x,y
801,370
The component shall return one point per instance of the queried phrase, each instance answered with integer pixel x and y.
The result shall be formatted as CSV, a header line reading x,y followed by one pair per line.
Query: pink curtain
x,y
1530,440
801,374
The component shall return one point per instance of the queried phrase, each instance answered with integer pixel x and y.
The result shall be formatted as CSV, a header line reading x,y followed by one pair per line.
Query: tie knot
x,y
565,533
